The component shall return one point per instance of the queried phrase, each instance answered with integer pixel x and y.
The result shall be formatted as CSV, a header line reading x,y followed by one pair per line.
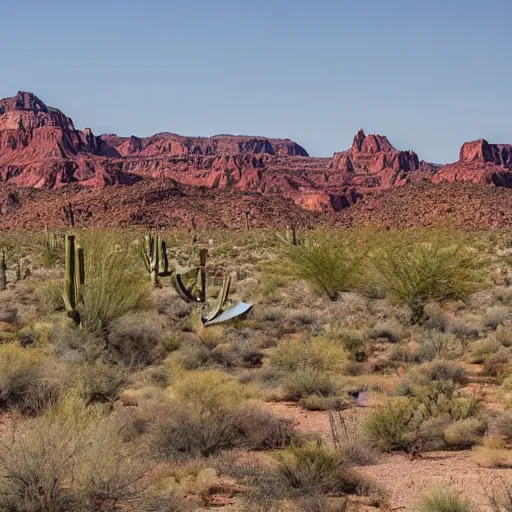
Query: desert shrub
x,y
483,349
100,383
306,381
435,371
391,331
75,460
502,426
76,345
464,433
354,342
205,416
136,339
390,428
464,329
503,335
495,316
115,283
315,468
442,500
49,296
27,379
436,344
416,270
497,364
503,294
262,430
330,264
321,353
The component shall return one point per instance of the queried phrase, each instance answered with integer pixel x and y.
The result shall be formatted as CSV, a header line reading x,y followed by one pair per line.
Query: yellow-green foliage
x,y
27,380
49,295
443,500
114,281
321,353
330,262
418,267
210,390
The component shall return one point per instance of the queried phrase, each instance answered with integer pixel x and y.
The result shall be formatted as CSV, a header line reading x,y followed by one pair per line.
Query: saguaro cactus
x,y
75,278
3,272
154,255
291,235
191,287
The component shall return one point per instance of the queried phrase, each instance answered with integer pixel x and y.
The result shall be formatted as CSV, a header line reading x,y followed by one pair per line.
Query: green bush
x,y
390,427
305,382
417,268
115,283
329,262
442,500
317,469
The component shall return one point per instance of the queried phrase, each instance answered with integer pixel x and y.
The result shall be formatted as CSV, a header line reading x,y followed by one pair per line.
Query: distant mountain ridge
x,y
41,148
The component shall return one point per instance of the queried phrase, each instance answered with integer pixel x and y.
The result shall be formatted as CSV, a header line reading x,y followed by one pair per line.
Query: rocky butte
x,y
40,148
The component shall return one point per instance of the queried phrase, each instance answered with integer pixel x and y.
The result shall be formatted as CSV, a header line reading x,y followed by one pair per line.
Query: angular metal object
x,y
240,309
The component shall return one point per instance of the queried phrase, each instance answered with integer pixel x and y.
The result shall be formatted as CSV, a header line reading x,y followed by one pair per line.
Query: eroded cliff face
x,y
40,148
480,162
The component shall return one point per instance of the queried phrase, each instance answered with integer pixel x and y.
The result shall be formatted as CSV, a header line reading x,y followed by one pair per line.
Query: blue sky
x,y
428,74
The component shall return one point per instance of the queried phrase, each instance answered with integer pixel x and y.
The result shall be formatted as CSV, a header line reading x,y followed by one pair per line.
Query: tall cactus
x,y
191,287
75,278
3,272
154,255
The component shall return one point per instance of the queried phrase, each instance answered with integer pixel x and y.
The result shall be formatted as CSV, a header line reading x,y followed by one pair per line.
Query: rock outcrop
x,y
480,162
40,148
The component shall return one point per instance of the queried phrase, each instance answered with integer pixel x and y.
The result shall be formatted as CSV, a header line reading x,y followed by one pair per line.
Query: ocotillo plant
x,y
75,277
154,255
3,272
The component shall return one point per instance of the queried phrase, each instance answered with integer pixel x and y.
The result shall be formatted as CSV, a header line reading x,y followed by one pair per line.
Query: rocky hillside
x,y
41,149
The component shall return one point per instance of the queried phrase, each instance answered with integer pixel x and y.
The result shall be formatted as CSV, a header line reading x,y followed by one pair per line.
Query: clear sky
x,y
430,74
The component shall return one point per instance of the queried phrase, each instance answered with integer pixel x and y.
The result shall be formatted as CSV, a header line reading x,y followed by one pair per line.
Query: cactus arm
x,y
184,292
221,301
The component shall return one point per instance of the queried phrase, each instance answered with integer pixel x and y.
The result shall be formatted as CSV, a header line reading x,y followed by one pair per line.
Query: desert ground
x,y
373,372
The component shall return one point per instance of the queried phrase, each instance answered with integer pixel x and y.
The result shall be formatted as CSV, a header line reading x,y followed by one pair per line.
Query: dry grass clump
x,y
305,474
136,339
443,500
209,413
29,381
493,454
307,367
72,459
